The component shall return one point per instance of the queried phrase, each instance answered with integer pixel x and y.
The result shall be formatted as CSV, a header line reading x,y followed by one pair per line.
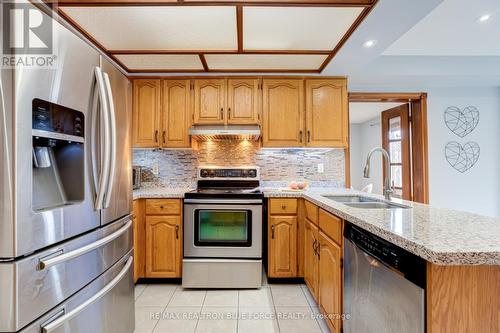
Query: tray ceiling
x,y
222,38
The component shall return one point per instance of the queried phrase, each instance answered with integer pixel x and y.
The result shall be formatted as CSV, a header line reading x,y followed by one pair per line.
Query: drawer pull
x,y
283,207
161,206
52,261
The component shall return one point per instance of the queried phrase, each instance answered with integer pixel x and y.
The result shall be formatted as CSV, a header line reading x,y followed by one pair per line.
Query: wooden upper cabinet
x,y
146,117
209,101
176,113
283,112
330,280
282,246
326,113
243,101
163,246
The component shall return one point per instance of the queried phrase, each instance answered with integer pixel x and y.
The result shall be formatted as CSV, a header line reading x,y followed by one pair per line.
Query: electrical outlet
x,y
156,169
321,168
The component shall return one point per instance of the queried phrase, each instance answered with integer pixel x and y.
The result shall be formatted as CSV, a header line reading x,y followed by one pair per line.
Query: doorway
x,y
398,123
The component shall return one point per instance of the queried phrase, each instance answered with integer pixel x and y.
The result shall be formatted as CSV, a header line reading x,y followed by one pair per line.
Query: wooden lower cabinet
x,y
139,239
330,281
163,246
311,259
282,236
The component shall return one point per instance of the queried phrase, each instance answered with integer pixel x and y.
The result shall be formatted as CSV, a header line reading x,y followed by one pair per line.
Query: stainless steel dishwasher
x,y
384,285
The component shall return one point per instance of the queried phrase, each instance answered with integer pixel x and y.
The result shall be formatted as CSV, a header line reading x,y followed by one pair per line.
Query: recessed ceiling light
x,y
370,43
484,18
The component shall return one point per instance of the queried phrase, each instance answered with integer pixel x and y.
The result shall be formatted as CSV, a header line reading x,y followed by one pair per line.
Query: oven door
x,y
222,228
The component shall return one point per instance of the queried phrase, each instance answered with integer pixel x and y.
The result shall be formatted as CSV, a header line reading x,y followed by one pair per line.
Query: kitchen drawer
x,y
283,206
311,212
163,207
331,226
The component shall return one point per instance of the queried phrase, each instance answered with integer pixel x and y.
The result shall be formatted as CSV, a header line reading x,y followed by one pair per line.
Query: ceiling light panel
x,y
159,27
161,62
296,28
264,61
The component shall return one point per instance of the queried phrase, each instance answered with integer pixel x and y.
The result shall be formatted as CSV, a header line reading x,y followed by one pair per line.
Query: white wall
x,y
365,137
477,190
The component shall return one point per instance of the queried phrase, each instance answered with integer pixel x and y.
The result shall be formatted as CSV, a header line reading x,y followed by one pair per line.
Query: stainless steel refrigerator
x,y
66,242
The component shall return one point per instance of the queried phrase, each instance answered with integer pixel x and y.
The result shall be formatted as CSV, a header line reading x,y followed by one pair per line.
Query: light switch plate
x,y
321,168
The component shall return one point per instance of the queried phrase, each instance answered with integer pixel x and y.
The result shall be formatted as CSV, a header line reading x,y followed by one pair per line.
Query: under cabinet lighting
x,y
369,43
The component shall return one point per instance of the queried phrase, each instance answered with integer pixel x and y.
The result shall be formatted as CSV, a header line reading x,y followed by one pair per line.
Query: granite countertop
x,y
441,236
160,192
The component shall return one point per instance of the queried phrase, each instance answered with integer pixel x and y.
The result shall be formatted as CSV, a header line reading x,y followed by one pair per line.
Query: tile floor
x,y
285,308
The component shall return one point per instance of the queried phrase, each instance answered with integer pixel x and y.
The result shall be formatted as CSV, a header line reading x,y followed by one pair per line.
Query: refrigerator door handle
x,y
112,134
94,144
47,263
104,176
52,326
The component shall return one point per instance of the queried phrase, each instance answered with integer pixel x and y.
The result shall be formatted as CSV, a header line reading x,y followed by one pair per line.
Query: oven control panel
x,y
228,173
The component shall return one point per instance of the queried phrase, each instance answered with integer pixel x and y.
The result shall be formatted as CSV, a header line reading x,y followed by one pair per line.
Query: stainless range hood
x,y
225,132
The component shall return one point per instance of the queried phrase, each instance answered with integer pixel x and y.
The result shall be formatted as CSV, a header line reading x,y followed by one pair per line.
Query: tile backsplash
x,y
177,167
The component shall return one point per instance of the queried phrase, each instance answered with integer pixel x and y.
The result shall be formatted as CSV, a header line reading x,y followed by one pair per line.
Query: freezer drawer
x,y
32,286
104,306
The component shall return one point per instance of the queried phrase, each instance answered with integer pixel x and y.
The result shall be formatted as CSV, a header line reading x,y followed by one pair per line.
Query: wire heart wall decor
x,y
461,121
462,158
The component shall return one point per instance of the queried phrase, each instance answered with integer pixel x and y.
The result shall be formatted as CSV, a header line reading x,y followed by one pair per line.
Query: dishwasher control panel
x,y
389,254
376,246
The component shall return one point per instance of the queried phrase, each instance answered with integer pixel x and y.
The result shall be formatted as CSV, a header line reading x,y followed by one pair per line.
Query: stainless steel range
x,y
223,229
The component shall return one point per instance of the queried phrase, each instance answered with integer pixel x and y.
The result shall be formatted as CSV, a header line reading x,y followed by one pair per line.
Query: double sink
x,y
358,201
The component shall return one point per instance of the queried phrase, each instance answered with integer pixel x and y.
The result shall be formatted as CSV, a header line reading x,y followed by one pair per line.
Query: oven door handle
x,y
223,201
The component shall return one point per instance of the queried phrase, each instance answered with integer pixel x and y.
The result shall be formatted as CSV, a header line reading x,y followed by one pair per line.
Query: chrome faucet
x,y
387,181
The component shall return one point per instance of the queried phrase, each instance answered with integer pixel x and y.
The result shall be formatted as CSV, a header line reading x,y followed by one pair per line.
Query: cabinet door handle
x,y
177,231
164,134
308,136
156,136
272,231
221,113
300,136
229,113
314,246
